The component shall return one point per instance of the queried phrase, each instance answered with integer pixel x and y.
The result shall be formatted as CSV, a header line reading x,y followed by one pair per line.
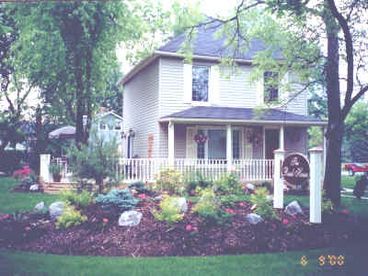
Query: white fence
x,y
143,169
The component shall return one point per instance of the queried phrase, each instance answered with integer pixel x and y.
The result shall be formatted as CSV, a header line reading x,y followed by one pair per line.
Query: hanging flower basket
x,y
200,138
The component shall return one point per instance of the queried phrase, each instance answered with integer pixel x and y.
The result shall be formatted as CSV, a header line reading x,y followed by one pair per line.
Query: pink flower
x,y
27,228
189,228
105,220
142,196
285,221
345,212
242,204
230,211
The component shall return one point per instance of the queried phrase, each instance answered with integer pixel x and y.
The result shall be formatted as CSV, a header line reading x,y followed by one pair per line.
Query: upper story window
x,y
117,126
103,126
271,86
200,75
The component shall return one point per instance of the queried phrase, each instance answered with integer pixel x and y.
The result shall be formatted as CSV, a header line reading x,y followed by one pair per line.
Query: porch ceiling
x,y
215,114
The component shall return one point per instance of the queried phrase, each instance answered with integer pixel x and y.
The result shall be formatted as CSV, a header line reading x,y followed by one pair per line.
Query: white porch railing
x,y
143,169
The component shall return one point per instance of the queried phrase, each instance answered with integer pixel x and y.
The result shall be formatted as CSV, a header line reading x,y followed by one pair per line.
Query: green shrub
x,y
228,184
208,207
140,187
121,200
70,217
229,200
169,210
263,206
96,160
79,200
196,180
170,180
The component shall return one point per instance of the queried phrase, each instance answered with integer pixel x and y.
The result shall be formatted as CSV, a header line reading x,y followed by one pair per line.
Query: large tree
x,y
338,28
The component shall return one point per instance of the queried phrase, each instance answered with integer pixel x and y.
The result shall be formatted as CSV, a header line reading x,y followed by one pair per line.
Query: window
x,y
271,86
117,126
102,126
201,146
200,76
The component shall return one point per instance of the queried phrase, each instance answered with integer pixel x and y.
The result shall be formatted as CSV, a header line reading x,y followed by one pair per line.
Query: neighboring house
x,y
203,110
108,127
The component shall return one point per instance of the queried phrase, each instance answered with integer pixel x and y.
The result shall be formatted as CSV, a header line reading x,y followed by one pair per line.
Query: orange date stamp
x,y
325,260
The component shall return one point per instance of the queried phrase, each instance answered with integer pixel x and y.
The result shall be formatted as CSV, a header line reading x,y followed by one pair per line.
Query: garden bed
x,y
101,235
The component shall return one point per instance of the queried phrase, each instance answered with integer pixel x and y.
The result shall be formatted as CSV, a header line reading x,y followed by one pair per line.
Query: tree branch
x,y
347,107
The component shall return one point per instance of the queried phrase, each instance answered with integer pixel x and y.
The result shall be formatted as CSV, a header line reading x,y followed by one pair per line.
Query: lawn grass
x,y
13,201
348,181
26,263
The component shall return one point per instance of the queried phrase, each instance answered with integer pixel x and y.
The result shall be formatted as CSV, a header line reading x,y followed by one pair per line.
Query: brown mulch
x,y
155,238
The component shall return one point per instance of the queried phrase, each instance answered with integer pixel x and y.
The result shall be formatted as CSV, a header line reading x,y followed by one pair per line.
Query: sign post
x,y
315,212
278,184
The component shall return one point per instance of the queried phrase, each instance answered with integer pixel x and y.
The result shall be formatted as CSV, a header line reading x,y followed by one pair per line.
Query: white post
x,y
229,147
315,185
324,130
282,138
278,182
171,143
44,167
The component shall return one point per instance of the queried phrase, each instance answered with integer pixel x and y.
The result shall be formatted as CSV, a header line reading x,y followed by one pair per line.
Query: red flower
x,y
105,220
242,204
285,221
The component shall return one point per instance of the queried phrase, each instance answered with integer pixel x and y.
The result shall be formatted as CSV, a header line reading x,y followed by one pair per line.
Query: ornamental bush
x,y
263,206
70,217
121,200
228,184
170,180
196,180
208,207
79,200
169,210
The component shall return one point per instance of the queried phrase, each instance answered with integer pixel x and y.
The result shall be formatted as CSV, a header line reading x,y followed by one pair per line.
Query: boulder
x,y
56,209
39,206
253,218
34,188
182,204
250,187
130,218
293,208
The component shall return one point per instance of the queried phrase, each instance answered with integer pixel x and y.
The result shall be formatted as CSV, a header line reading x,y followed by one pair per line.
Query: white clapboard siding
x,y
214,85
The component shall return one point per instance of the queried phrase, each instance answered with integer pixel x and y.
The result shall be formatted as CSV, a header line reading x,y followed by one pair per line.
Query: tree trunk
x,y
335,129
79,135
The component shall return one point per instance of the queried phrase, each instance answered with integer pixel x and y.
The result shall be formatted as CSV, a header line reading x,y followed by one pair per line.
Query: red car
x,y
352,168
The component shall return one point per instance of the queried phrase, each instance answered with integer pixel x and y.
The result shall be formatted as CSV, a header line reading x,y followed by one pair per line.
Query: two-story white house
x,y
204,111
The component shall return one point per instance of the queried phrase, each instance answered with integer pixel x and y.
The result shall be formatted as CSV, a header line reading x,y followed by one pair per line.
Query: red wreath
x,y
200,138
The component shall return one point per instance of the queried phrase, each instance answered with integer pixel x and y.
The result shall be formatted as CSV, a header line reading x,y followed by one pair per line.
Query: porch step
x,y
56,187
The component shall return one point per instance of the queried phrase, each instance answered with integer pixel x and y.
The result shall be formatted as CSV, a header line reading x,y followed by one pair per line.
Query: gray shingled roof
x,y
208,41
231,113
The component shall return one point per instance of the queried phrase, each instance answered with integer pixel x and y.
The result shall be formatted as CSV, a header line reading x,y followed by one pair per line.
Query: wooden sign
x,y
295,170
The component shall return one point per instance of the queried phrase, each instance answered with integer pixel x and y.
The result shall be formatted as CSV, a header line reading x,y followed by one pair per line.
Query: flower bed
x,y
100,234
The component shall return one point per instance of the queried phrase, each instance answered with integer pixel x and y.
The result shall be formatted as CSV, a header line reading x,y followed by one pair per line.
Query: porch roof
x,y
215,114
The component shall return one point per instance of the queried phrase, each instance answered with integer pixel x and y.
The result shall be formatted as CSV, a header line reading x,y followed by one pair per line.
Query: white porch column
x,y
282,138
44,167
315,183
278,182
171,144
229,147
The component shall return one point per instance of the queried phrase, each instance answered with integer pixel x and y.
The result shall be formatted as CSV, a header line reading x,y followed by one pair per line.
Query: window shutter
x,y
190,143
187,83
248,146
214,83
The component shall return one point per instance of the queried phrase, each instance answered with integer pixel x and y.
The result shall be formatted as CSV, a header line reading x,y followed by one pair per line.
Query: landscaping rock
x,y
34,188
182,204
39,206
56,209
253,218
293,208
130,218
250,187
157,198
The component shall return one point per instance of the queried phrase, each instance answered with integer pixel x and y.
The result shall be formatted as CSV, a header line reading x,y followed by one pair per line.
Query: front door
x,y
271,142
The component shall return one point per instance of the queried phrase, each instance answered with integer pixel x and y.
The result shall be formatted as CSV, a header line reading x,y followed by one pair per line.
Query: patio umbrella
x,y
63,132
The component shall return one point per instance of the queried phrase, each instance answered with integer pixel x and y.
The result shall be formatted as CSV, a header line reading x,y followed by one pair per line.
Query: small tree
x,y
95,160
